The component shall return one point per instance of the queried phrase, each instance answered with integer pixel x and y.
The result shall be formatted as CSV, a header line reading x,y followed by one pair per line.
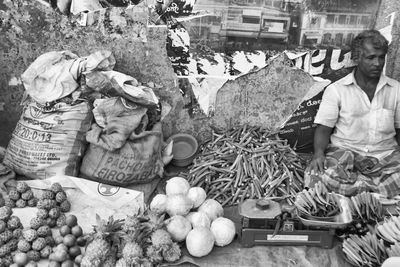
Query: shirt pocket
x,y
385,121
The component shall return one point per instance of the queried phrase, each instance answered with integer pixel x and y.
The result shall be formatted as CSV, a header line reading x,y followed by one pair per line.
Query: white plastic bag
x,y
52,76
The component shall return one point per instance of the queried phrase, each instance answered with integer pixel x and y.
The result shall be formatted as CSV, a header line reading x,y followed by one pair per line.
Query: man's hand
x,y
397,136
317,164
321,140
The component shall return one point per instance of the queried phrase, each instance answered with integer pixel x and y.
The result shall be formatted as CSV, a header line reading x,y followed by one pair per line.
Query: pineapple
x,y
131,223
171,252
121,263
109,262
132,252
153,220
154,254
160,237
135,242
105,241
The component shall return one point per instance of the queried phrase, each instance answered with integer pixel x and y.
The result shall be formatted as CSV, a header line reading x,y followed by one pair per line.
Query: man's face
x,y
371,61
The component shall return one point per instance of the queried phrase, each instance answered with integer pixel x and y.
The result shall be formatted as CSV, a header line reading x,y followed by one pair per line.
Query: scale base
x,y
318,238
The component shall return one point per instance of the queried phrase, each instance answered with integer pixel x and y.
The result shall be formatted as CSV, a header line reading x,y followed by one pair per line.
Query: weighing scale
x,y
266,222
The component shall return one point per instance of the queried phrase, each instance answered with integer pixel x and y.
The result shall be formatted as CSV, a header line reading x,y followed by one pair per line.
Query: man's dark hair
x,y
371,36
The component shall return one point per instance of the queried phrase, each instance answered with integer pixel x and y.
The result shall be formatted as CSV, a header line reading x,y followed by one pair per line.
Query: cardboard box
x,y
89,198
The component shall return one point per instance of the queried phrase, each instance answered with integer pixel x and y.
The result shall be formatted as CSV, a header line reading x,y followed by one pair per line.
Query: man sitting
x,y
356,142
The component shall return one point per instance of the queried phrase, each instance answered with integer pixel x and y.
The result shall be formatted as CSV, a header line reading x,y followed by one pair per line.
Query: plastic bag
x,y
113,83
53,76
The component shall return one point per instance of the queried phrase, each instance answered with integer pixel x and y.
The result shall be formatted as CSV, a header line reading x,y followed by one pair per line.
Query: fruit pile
x,y
193,218
36,243
69,242
10,230
25,247
51,205
317,202
20,197
140,239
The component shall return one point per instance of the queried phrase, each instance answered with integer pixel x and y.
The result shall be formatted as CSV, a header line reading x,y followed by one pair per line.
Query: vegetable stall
x,y
242,194
76,177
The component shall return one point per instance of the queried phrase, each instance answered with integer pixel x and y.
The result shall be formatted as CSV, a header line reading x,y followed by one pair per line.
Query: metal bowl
x,y
184,149
339,221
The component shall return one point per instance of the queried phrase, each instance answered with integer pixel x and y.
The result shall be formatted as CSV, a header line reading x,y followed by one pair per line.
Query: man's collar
x,y
349,79
383,80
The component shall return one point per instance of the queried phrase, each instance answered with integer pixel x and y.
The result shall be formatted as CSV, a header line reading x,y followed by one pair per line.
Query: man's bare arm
x,y
321,140
398,136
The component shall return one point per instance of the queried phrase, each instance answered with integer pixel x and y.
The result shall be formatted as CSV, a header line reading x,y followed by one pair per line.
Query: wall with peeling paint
x,y
389,16
265,97
140,52
34,29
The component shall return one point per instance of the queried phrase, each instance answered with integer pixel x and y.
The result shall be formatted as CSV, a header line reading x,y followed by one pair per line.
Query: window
x,y
349,39
268,2
315,22
364,20
251,20
330,19
278,3
336,20
353,20
326,39
347,19
338,39
358,20
271,25
342,19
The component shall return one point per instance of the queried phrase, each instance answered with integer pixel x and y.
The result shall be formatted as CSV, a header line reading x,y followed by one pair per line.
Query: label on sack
x,y
137,161
127,169
48,142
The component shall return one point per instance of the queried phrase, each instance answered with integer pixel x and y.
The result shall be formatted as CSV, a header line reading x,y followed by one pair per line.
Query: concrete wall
x,y
387,8
266,97
35,29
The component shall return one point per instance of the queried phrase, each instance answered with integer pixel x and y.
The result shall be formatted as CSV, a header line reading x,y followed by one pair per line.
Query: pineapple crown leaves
x,y
109,226
110,230
140,235
143,221
154,220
